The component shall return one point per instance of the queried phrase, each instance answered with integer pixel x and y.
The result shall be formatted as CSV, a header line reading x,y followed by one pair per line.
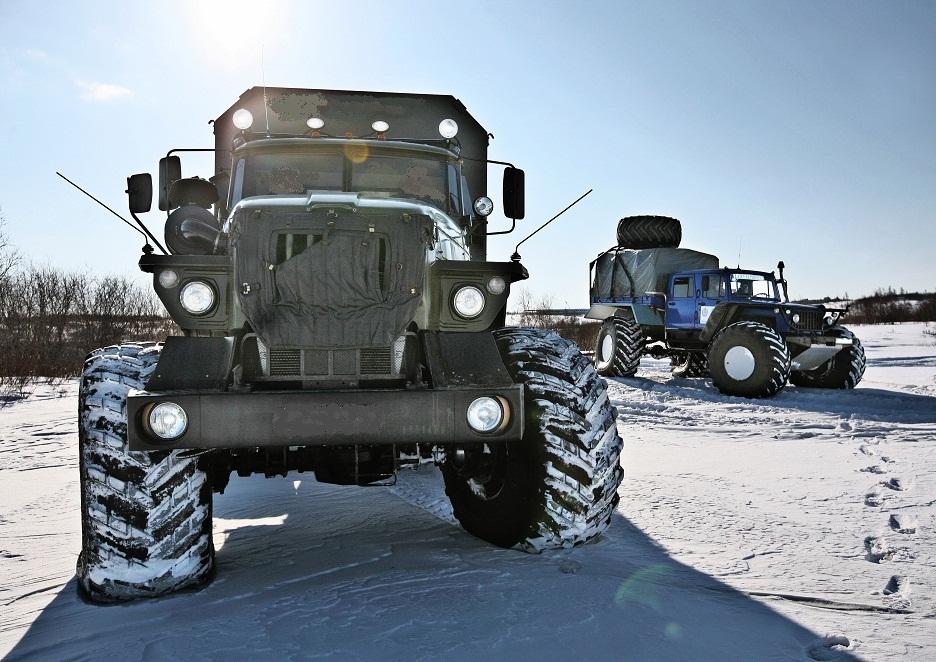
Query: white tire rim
x,y
739,363
607,348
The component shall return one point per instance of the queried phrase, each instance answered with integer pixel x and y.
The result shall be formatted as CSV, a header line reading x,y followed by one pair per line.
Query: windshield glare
x,y
404,176
753,285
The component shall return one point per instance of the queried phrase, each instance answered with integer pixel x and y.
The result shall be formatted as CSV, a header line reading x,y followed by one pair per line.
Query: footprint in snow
x,y
903,523
898,484
874,497
874,469
830,647
877,549
897,585
867,450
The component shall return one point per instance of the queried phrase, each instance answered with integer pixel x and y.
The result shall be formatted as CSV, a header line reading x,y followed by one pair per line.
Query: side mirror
x,y
170,170
514,207
140,193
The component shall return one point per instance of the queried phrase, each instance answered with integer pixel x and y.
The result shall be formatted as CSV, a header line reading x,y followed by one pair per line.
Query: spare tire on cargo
x,y
649,232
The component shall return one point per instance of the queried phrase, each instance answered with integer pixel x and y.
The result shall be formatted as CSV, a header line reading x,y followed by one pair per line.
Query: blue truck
x,y
736,325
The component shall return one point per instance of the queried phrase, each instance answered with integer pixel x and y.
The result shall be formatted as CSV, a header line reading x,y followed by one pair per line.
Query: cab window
x,y
681,287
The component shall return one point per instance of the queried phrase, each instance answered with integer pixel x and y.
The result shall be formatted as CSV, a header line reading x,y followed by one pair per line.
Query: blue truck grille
x,y
810,320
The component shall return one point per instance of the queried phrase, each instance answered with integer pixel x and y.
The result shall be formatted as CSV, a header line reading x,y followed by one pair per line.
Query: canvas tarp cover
x,y
355,282
621,273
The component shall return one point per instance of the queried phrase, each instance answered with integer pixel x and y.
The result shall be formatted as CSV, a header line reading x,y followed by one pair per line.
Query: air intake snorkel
x,y
783,281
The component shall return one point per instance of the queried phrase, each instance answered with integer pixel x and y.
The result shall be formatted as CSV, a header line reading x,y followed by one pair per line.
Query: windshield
x,y
394,176
757,286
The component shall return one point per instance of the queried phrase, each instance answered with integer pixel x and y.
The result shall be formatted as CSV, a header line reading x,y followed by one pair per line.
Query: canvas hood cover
x,y
624,272
329,278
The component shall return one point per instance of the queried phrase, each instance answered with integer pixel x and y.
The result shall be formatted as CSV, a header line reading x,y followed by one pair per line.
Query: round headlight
x,y
242,118
485,414
496,285
448,128
315,123
168,278
468,301
167,420
483,206
796,318
197,297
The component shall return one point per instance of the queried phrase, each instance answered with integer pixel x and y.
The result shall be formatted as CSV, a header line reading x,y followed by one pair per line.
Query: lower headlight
x,y
197,297
468,301
167,420
796,318
485,414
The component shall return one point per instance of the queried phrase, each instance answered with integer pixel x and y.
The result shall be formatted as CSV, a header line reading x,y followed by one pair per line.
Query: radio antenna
x,y
516,254
740,239
266,111
142,229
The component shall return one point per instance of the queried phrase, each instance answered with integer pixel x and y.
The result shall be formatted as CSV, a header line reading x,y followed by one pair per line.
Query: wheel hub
x,y
607,347
739,363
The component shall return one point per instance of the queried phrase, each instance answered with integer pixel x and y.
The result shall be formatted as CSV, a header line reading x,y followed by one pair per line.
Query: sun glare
x,y
229,34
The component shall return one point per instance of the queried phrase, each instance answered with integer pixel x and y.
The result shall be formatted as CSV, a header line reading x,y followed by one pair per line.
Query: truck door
x,y
707,286
681,306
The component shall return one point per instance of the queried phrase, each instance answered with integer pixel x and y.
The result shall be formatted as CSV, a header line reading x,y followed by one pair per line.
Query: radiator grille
x,y
284,362
326,362
810,320
375,361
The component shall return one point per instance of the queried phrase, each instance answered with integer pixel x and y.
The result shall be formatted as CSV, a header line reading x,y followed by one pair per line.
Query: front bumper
x,y
817,350
313,418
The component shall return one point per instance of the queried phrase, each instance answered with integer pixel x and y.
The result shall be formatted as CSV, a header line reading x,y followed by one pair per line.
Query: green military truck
x,y
339,316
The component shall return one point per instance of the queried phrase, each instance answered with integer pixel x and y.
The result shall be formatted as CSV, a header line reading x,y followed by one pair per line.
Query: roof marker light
x,y
448,128
242,118
315,123
380,126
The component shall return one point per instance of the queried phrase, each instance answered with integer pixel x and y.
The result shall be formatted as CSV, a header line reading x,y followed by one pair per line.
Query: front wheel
x,y
749,359
842,371
146,516
556,487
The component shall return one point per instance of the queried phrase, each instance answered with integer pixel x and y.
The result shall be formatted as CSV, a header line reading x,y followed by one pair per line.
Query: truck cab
x,y
693,295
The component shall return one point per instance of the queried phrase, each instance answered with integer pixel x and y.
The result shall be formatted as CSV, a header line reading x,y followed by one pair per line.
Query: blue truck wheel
x,y
749,359
619,347
842,371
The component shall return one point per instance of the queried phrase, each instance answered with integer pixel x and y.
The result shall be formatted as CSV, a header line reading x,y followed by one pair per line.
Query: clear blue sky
x,y
804,130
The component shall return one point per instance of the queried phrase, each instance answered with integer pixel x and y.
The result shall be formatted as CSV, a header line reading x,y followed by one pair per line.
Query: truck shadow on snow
x,y
307,570
869,403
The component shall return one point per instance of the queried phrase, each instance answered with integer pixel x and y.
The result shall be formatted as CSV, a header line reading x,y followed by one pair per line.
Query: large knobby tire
x,y
749,359
690,364
556,487
145,517
649,232
844,370
619,347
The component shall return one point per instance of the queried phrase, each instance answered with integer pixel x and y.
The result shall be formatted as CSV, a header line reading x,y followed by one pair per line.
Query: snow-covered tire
x,y
619,347
844,370
556,487
690,364
649,232
145,517
749,359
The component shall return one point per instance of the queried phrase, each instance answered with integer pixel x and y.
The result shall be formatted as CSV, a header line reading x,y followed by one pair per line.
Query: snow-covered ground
x,y
747,530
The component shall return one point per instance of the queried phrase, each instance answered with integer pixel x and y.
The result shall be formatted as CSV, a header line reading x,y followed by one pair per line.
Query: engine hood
x,y
330,270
